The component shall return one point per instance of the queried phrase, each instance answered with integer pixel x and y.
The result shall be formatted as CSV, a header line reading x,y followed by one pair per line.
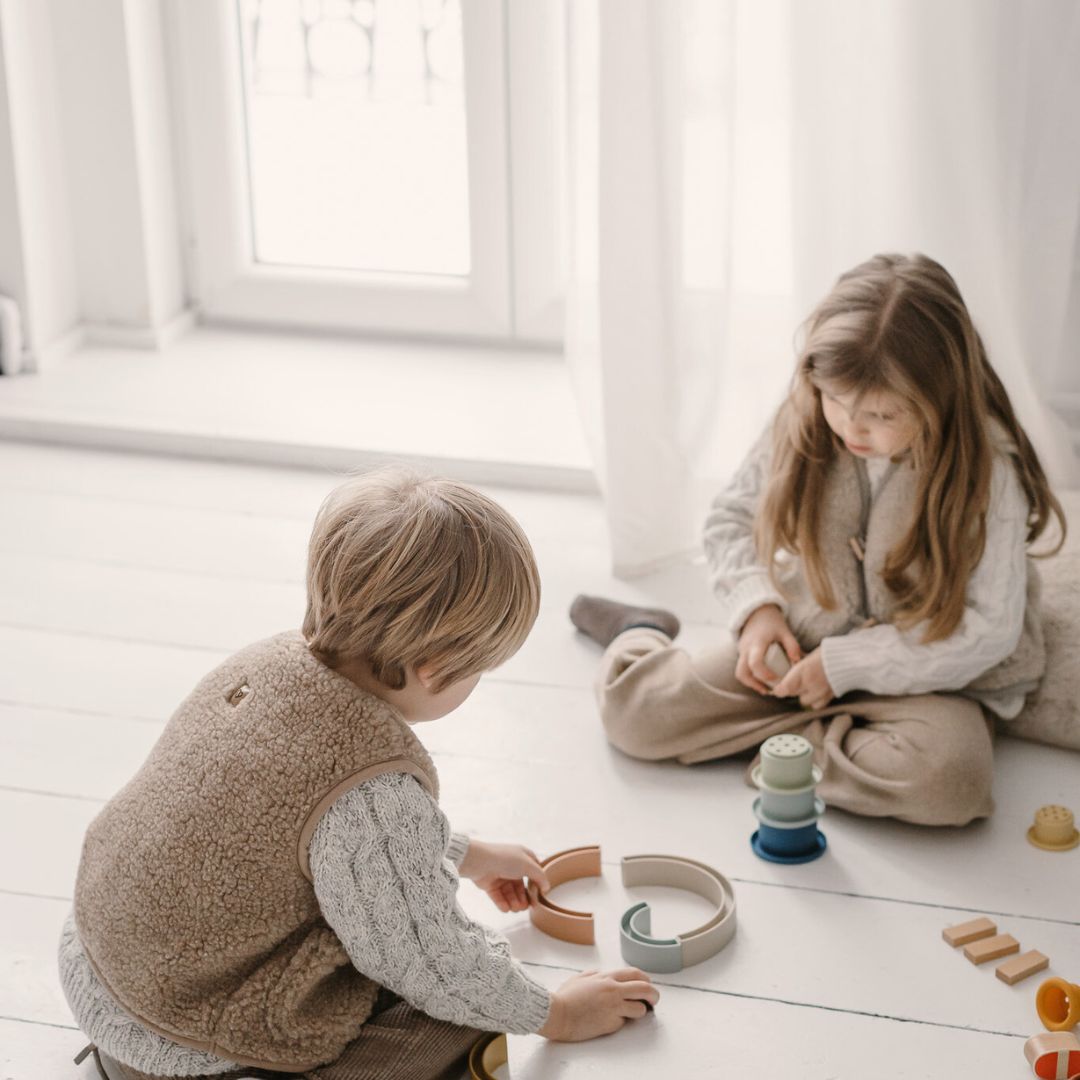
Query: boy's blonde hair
x,y
405,570
897,323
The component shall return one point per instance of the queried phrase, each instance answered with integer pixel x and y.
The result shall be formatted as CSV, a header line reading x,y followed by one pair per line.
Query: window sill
x,y
484,415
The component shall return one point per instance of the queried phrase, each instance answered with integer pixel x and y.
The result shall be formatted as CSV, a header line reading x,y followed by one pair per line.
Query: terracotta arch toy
x,y
575,927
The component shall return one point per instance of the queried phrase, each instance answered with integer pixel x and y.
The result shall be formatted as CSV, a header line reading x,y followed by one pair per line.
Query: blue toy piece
x,y
790,860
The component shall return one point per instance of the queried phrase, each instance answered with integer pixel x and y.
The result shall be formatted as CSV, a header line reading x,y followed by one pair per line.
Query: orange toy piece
x,y
1058,1005
1053,1056
575,927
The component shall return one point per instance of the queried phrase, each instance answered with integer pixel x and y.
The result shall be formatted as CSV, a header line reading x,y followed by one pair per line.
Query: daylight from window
x,y
356,139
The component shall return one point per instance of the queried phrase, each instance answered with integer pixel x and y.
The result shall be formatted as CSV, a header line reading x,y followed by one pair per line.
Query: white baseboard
x,y
140,337
59,431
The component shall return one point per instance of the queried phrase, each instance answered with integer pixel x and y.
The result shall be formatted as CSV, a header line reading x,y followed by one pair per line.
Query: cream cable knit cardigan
x,y
383,860
882,659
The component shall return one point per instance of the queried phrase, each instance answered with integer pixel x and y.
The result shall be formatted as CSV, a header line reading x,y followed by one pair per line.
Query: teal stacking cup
x,y
787,806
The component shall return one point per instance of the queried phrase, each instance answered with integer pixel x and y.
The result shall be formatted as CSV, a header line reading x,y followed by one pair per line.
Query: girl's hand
x,y
500,869
808,682
592,1004
766,625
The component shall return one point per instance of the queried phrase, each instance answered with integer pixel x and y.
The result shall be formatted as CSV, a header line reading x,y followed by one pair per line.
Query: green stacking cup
x,y
787,761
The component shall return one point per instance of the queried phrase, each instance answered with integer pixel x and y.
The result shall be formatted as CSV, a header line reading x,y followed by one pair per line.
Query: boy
x,y
272,893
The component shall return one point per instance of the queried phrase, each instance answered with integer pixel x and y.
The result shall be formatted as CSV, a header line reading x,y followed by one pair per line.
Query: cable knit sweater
x,y
383,859
883,659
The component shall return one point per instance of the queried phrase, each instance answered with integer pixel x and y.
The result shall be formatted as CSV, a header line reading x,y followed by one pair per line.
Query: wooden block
x,y
968,931
1020,967
991,948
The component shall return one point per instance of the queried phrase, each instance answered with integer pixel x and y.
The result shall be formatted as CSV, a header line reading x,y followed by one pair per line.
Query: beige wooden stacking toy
x,y
1054,829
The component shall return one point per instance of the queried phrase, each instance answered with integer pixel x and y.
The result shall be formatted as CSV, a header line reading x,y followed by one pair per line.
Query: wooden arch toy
x,y
488,1054
636,942
575,927
664,956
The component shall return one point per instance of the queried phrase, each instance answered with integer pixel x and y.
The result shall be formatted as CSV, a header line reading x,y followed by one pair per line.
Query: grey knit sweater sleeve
x,y
740,582
385,884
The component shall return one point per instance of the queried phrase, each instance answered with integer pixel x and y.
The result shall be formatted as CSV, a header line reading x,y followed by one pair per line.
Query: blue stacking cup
x,y
788,841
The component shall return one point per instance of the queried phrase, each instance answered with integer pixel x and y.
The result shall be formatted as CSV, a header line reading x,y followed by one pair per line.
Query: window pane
x,y
356,146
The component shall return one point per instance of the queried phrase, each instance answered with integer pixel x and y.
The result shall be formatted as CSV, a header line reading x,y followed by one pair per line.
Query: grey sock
x,y
603,620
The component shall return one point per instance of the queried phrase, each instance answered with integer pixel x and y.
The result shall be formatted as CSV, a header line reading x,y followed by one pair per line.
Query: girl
x,y
877,534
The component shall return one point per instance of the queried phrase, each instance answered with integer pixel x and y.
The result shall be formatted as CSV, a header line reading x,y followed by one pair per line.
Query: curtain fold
x,y
955,130
728,159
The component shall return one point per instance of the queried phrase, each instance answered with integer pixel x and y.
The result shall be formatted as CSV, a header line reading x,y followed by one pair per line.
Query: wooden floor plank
x,y
815,950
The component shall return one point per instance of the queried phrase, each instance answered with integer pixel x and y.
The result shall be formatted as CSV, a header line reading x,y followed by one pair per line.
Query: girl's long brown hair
x,y
898,324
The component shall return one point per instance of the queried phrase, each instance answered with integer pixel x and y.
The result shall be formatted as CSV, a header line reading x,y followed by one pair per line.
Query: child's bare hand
x,y
765,626
500,870
808,682
595,1003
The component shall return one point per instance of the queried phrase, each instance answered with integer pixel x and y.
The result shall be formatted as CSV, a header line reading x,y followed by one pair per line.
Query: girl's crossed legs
x,y
924,758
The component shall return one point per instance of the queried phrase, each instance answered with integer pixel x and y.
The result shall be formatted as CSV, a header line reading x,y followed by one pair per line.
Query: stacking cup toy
x,y
787,805
1054,829
787,762
1058,1004
787,808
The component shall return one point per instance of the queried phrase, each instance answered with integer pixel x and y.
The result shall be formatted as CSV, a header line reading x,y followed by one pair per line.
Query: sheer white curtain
x,y
951,128
729,158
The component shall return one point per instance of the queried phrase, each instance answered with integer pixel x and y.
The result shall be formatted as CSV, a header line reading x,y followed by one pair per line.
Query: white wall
x,y
88,206
40,265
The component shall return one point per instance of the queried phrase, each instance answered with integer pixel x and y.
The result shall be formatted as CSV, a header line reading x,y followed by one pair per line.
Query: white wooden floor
x,y
124,578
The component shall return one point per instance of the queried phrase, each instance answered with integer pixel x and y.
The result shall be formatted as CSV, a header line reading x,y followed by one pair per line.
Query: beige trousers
x,y
924,758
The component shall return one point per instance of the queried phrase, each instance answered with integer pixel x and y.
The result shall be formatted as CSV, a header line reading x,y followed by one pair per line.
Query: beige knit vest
x,y
194,898
854,523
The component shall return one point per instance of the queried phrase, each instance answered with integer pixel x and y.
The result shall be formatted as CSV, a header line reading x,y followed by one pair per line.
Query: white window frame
x,y
513,291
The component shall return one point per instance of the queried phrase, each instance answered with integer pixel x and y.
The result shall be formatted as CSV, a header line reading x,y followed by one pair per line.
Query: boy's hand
x,y
592,1004
808,682
500,870
765,625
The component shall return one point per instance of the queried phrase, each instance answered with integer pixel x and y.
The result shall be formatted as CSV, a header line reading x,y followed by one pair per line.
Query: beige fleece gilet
x,y
849,513
194,898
